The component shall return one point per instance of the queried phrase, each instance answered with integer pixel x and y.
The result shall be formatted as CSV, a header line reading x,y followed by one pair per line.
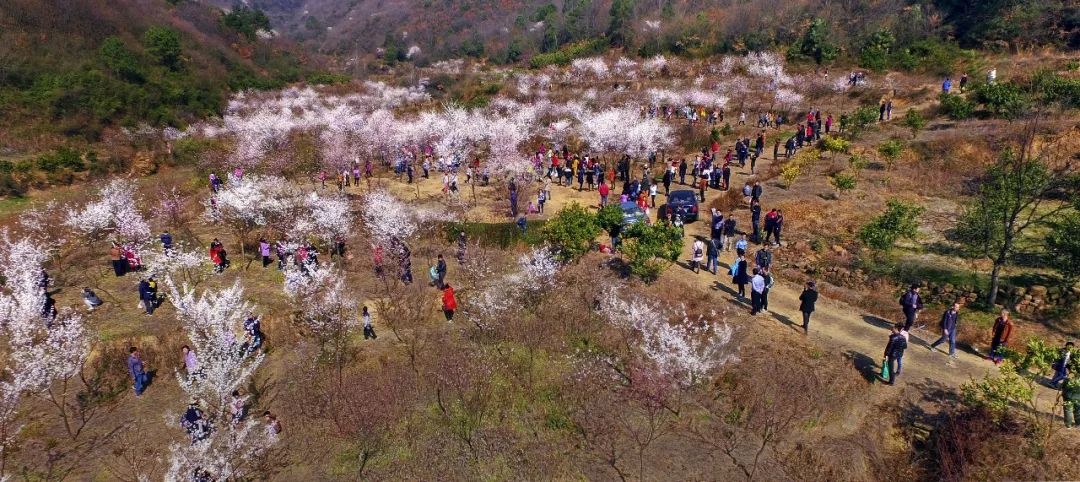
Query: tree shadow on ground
x,y
865,365
930,410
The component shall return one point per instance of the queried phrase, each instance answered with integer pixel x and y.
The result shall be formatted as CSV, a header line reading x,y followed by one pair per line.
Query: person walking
x,y
365,317
763,258
807,300
912,304
963,82
146,296
769,281
946,86
894,352
757,288
1071,396
698,250
1061,365
137,370
264,251
738,275
741,245
755,220
440,271
1002,330
770,224
948,329
712,252
682,172
729,232
448,302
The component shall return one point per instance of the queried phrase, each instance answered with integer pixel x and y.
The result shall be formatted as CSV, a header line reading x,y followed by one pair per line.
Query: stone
x,y
1038,291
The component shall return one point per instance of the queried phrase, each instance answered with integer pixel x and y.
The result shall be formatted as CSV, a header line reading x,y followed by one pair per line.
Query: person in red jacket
x,y
1003,327
449,304
604,191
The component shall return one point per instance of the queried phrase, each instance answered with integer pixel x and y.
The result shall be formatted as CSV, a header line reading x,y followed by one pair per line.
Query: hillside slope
x,y
507,30
71,72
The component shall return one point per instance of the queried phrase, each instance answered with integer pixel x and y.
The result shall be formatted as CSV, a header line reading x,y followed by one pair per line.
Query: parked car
x,y
684,203
632,214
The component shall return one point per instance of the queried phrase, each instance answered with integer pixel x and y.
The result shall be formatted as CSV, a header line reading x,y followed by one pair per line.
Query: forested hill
x,y
511,30
69,70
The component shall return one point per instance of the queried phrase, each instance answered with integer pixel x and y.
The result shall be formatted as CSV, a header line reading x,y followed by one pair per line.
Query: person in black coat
x,y
755,220
807,300
729,232
894,351
739,275
912,304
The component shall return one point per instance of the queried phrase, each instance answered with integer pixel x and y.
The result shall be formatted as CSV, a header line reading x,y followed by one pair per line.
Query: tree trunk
x,y
995,279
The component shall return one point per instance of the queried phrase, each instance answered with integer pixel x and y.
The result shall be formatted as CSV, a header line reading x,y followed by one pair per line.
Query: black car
x,y
684,203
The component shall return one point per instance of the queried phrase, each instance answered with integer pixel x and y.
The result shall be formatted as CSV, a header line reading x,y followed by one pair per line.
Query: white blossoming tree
x,y
113,213
40,349
494,294
252,202
684,350
387,217
214,322
189,266
326,217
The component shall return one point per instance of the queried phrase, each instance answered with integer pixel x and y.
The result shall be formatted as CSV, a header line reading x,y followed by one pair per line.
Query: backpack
x,y
697,252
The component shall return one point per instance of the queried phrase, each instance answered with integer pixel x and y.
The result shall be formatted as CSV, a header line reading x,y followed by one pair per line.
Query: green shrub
x,y
876,50
327,78
861,119
956,107
835,144
890,151
930,55
999,393
163,44
915,121
572,231
900,220
568,53
650,248
61,158
610,219
1003,99
843,182
857,162
246,21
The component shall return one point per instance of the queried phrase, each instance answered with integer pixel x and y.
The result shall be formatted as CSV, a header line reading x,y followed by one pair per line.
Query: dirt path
x,y
837,326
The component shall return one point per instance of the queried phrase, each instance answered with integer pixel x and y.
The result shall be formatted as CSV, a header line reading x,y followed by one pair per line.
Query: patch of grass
x,y
502,235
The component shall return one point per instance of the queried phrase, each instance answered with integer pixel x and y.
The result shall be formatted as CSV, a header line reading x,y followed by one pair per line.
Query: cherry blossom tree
x,y
41,348
189,266
249,203
685,350
112,213
215,322
496,294
326,217
387,217
230,452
